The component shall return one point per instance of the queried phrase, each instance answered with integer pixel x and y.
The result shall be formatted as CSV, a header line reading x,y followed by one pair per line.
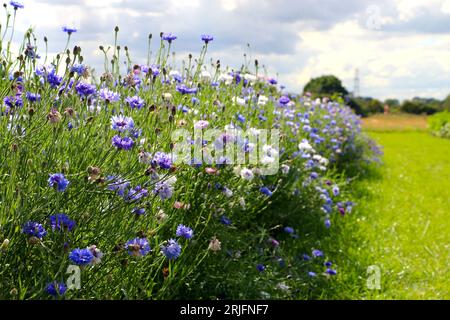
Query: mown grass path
x,y
402,224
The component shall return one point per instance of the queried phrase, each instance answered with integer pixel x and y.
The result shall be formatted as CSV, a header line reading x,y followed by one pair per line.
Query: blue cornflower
x,y
331,272
328,264
163,189
79,68
185,232
241,118
289,230
53,78
327,223
121,123
61,222
185,90
138,211
81,256
124,143
225,220
169,37
56,289
207,38
118,185
306,257
260,267
272,81
171,249
33,97
138,247
34,229
135,102
317,253
108,95
335,191
13,101
85,89
266,191
69,30
284,100
16,5
162,159
58,180
137,193
312,274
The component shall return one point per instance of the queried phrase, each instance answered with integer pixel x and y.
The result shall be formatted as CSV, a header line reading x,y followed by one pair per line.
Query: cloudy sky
x,y
400,47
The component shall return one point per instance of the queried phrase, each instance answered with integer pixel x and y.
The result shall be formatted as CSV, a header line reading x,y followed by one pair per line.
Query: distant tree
x,y
375,106
392,103
325,86
421,105
446,103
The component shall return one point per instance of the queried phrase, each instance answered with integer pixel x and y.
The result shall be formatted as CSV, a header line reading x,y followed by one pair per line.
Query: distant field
x,y
395,122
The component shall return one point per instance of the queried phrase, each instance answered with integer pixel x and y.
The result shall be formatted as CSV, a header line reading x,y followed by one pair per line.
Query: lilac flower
x,y
185,232
69,30
81,257
34,229
164,189
108,95
266,191
207,38
56,289
138,247
171,249
121,123
201,124
58,180
169,37
85,89
135,102
61,222
16,5
124,143
162,159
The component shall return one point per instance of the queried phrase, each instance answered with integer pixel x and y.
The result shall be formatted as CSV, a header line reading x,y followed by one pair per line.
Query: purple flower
x,y
138,211
85,89
289,230
69,30
266,191
241,118
185,232
164,189
58,180
207,38
225,220
81,256
331,272
16,5
328,264
312,274
137,193
121,123
56,289
34,229
61,222
124,143
272,81
33,97
185,90
317,253
169,37
171,249
138,247
260,267
79,68
13,101
108,95
162,159
118,185
284,100
135,102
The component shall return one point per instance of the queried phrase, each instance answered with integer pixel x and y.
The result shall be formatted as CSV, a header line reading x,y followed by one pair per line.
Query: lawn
x,y
401,223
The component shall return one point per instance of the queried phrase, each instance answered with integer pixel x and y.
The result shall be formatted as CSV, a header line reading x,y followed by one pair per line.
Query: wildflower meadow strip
x,y
148,177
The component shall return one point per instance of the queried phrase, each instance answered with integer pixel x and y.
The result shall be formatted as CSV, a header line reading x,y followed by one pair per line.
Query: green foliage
x,y
421,105
439,124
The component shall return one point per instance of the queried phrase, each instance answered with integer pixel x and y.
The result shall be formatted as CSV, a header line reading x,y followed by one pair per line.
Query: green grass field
x,y
401,223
